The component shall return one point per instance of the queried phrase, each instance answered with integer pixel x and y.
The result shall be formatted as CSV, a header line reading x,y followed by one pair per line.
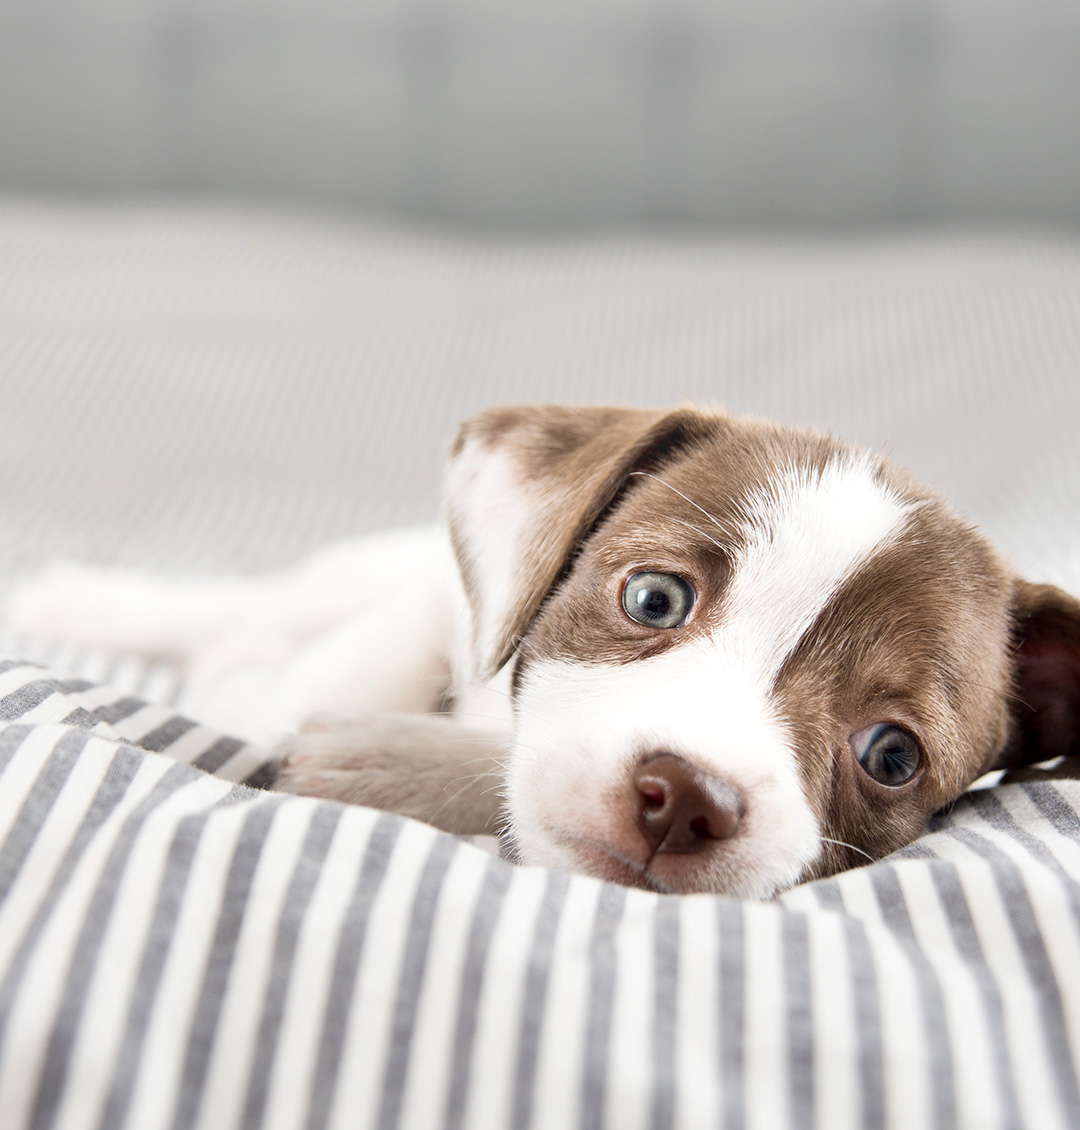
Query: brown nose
x,y
681,808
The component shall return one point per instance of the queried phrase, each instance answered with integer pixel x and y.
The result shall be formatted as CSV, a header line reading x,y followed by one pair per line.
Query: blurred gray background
x,y
257,259
557,113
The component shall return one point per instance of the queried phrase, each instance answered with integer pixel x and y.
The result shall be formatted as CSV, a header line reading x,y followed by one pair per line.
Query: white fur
x,y
582,728
365,624
127,610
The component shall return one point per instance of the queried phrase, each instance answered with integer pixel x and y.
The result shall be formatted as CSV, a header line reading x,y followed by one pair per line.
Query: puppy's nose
x,y
681,808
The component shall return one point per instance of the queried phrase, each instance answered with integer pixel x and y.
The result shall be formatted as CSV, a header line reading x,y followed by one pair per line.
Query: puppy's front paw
x,y
344,763
403,763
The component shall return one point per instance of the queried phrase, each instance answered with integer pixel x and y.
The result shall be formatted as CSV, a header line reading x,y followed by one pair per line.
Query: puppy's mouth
x,y
680,874
602,861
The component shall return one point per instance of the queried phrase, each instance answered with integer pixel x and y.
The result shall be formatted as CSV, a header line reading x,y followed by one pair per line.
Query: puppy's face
x,y
744,655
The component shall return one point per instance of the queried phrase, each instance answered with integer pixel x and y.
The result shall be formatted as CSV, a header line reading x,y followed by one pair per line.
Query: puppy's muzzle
x,y
683,809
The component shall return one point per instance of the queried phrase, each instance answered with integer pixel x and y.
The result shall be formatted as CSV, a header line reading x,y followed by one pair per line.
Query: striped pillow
x,y
179,951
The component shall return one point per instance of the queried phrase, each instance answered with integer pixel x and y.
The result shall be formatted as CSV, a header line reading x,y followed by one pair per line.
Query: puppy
x,y
671,649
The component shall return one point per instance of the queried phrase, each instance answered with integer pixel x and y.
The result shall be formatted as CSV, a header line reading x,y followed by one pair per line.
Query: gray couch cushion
x,y
555,113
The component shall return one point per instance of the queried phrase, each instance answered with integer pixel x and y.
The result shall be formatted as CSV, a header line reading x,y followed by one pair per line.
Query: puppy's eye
x,y
888,754
657,600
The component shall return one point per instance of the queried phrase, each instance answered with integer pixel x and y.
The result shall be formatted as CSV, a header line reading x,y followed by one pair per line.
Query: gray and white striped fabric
x,y
179,951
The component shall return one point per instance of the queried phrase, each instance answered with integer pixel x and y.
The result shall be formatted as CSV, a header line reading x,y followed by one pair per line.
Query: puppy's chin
x,y
721,872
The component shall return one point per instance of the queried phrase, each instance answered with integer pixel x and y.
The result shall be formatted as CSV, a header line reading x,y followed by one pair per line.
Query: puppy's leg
x,y
130,612
361,625
395,658
430,767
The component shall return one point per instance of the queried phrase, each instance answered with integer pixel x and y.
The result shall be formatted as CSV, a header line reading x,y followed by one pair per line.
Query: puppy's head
x,y
744,655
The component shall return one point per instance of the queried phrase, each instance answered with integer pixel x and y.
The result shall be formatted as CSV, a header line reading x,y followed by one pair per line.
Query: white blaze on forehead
x,y
805,533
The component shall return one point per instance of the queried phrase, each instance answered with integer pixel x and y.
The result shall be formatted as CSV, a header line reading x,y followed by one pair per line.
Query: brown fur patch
x,y
917,638
573,462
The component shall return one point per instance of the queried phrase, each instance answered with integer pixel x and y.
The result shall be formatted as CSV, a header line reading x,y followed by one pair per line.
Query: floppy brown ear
x,y
1046,666
524,487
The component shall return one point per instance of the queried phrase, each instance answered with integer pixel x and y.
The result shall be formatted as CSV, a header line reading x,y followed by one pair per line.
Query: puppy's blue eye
x,y
657,600
888,754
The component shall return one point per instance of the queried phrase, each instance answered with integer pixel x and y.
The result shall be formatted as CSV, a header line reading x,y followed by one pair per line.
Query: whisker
x,y
699,530
475,684
464,784
1012,697
457,715
520,644
478,739
840,843
483,759
649,475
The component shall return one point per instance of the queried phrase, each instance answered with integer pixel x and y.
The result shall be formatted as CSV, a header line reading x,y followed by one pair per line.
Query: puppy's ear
x,y
524,488
1046,666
